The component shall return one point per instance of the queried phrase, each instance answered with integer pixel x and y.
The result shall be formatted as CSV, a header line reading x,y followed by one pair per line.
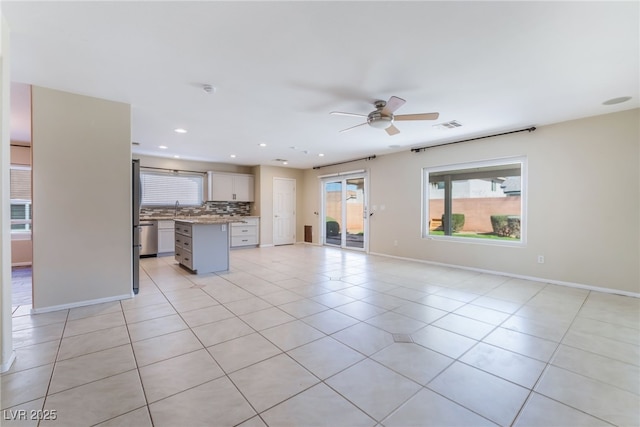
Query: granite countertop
x,y
208,220
201,219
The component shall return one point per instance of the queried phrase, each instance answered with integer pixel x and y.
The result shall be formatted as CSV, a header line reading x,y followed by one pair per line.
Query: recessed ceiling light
x,y
162,147
233,156
180,130
614,101
176,156
262,144
285,163
320,155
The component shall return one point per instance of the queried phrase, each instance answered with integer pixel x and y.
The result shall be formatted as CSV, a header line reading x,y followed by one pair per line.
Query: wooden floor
x,y
21,284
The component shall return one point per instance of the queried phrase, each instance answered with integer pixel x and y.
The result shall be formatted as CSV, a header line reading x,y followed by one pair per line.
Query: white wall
x,y
583,203
7,355
81,199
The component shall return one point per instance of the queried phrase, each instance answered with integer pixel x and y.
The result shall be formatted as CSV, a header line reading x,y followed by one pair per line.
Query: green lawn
x,y
491,236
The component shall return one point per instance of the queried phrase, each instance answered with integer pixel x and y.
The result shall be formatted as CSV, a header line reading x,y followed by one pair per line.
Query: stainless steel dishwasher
x,y
149,238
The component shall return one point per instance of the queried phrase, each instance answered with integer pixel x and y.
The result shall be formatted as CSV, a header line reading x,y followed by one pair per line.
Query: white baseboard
x,y
80,304
7,365
520,276
267,245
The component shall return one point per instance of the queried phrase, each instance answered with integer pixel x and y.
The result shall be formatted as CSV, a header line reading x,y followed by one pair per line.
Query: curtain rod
x,y
171,170
348,161
417,150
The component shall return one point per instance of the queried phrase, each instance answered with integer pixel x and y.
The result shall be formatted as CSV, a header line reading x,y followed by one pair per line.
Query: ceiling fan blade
x,y
353,127
392,105
340,113
424,116
392,130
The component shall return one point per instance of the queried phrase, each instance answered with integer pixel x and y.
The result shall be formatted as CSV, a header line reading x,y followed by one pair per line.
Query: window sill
x,y
21,235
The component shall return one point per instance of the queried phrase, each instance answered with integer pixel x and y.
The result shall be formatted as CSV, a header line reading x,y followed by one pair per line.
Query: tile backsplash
x,y
208,208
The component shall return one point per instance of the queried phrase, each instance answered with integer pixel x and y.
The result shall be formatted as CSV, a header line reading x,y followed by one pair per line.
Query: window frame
x,y
505,161
28,203
165,173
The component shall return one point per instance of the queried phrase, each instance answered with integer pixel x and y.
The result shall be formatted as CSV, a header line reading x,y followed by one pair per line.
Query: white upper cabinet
x,y
230,187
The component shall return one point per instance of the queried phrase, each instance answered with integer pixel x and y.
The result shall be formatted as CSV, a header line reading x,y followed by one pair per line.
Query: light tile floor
x,y
303,335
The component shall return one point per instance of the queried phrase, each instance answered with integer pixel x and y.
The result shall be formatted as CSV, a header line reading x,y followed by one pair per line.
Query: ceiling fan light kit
x,y
382,117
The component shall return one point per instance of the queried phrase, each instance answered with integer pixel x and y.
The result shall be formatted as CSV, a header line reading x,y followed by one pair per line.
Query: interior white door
x,y
284,211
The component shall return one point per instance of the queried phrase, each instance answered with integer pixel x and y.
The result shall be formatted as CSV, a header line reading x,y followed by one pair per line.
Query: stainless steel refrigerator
x,y
136,192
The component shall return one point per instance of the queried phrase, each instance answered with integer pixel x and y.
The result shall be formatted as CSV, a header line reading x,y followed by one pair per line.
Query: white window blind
x,y
165,188
20,183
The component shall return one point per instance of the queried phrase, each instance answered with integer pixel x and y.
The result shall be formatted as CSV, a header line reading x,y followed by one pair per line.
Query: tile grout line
x,y
55,361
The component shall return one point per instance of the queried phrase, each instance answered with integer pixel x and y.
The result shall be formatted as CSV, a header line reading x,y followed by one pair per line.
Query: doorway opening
x,y
20,177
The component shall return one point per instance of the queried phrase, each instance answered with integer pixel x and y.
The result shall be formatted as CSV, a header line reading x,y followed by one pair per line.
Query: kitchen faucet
x,y
175,208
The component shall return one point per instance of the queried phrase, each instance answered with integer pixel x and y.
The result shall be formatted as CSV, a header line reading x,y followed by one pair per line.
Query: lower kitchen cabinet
x,y
166,238
202,247
245,233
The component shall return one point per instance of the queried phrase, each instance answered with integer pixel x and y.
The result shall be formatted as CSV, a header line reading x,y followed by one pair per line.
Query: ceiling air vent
x,y
448,125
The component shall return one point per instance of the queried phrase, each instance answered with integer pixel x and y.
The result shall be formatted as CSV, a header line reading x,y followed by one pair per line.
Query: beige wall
x,y
583,203
81,199
21,252
264,199
20,155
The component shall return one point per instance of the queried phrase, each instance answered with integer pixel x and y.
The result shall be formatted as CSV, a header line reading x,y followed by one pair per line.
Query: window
x,y
20,189
164,188
482,201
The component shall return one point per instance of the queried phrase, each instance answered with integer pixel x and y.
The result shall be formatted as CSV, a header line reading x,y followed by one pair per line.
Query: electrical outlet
x,y
540,259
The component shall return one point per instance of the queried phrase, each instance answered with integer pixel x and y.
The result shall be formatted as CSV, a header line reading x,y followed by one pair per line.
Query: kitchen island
x,y
202,244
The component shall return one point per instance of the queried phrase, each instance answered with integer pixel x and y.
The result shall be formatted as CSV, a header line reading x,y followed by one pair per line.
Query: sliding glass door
x,y
345,211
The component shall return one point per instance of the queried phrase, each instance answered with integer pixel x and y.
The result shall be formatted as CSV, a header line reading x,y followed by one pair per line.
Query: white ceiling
x,y
280,67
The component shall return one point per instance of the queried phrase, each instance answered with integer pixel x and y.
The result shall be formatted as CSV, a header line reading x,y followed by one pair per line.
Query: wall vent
x,y
448,125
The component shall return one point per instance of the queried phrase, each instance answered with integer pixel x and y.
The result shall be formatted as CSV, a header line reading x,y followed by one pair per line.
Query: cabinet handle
x,y
186,244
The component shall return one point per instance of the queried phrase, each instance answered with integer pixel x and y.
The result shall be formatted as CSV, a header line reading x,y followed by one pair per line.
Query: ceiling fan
x,y
382,117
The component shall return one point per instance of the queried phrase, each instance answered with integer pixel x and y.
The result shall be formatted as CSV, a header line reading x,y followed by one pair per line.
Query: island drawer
x,y
186,242
182,228
187,260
